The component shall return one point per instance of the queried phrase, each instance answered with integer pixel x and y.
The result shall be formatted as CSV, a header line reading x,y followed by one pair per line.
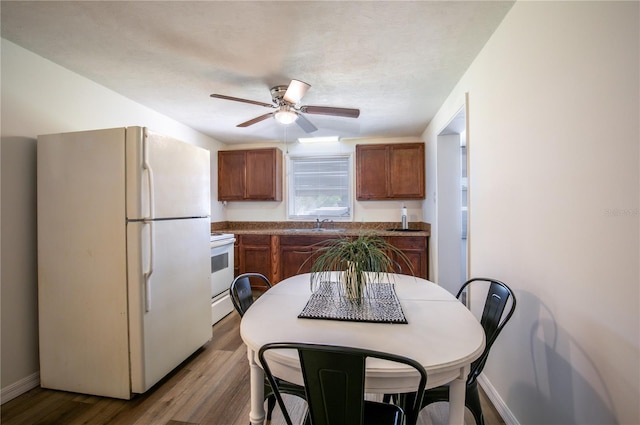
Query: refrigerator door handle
x,y
147,167
149,220
149,272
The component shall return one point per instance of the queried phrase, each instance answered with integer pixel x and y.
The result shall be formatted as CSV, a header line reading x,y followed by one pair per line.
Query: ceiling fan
x,y
285,101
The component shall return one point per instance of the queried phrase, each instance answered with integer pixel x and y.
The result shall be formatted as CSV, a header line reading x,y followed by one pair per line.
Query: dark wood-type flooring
x,y
209,388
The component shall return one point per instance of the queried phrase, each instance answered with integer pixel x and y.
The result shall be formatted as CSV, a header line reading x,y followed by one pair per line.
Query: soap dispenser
x,y
405,225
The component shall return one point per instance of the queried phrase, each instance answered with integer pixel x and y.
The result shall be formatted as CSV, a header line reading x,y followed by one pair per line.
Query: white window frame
x,y
325,215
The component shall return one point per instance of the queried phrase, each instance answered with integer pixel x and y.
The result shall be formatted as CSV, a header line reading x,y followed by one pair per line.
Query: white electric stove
x,y
221,274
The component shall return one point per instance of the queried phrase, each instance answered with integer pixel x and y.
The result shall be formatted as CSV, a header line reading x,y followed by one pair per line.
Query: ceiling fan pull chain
x,y
286,146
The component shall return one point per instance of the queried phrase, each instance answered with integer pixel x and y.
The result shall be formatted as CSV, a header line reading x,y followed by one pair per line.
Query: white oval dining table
x,y
441,334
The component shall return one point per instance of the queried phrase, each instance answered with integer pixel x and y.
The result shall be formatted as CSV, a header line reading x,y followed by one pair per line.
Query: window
x,y
319,187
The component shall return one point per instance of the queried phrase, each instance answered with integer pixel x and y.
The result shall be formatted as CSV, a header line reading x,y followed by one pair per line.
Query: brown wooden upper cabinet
x,y
390,171
250,175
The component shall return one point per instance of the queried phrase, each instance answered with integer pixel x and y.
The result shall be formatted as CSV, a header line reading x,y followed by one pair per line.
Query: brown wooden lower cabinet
x,y
280,257
236,257
297,253
415,248
254,256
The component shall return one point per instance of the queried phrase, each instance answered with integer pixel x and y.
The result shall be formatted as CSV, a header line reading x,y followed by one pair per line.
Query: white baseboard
x,y
18,388
498,402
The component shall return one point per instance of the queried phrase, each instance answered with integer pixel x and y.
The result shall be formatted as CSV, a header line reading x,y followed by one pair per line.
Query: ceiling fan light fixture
x,y
295,91
285,116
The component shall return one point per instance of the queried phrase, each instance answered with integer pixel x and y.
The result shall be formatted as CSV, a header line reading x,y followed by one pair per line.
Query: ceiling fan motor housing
x,y
277,94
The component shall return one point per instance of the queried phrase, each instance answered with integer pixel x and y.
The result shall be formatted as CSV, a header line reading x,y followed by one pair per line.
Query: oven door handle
x,y
223,242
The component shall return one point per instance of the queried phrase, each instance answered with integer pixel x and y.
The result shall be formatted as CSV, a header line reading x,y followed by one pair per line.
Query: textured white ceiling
x,y
396,61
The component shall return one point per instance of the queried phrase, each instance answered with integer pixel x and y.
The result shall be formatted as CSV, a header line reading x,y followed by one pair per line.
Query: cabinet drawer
x,y
408,242
303,240
256,239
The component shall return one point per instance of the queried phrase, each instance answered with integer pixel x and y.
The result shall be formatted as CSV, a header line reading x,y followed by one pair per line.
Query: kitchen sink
x,y
315,230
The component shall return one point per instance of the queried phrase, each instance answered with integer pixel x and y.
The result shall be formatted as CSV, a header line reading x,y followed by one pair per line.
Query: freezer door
x,y
170,310
166,178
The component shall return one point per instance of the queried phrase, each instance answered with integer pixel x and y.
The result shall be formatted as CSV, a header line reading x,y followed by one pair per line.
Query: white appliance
x,y
123,258
221,274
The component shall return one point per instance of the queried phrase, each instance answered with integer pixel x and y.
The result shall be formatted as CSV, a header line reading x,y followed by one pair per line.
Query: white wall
x,y
554,182
39,97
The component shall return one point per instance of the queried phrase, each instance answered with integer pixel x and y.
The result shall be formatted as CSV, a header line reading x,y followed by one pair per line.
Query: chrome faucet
x,y
319,223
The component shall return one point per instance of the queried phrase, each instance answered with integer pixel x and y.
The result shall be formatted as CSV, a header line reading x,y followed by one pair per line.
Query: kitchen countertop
x,y
307,228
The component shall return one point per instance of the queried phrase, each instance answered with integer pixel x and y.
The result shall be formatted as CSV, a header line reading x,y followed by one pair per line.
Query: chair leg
x,y
390,398
472,401
271,404
404,400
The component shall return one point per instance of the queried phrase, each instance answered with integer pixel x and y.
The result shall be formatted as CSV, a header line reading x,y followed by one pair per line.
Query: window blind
x,y
320,187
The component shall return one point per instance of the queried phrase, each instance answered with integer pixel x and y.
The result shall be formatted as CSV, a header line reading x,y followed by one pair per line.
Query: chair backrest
x,y
240,291
493,317
334,379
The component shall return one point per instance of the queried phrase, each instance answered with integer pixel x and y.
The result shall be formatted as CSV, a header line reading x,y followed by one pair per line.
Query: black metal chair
x,y
242,298
334,380
241,293
493,320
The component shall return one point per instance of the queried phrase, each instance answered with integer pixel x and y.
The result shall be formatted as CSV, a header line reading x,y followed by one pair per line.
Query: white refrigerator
x,y
124,290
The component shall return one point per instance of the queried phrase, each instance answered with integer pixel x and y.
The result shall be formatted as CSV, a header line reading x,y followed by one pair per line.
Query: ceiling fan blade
x,y
305,124
295,91
237,99
255,120
329,110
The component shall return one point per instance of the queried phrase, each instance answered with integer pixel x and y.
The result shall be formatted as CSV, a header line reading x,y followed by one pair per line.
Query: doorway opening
x,y
452,203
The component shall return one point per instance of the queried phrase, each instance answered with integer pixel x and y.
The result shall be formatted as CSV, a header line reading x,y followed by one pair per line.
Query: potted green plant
x,y
360,260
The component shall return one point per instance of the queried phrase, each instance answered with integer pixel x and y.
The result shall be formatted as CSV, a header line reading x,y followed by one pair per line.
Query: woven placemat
x,y
379,305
